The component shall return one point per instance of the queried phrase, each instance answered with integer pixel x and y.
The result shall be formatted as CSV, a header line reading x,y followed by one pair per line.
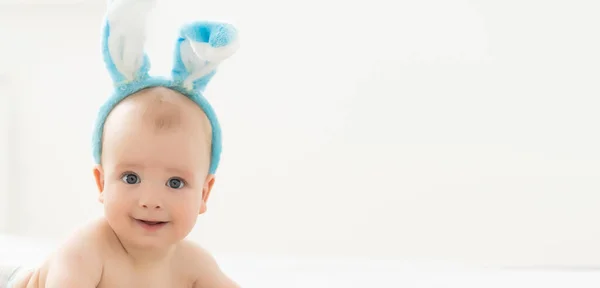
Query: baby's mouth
x,y
151,222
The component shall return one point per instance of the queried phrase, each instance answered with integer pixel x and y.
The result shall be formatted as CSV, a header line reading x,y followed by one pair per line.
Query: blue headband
x,y
199,49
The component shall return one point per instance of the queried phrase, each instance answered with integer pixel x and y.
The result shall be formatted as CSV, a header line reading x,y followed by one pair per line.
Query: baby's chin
x,y
151,242
139,235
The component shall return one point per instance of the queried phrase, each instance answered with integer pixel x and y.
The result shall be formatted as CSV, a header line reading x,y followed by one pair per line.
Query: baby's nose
x,y
155,206
150,201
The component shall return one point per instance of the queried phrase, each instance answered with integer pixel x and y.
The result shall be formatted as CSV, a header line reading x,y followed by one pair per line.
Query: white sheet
x,y
294,272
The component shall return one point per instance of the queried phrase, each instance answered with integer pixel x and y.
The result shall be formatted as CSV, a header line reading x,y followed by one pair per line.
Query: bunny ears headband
x,y
199,49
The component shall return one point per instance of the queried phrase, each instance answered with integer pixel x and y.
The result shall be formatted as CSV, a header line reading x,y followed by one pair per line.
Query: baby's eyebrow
x,y
185,173
124,166
176,171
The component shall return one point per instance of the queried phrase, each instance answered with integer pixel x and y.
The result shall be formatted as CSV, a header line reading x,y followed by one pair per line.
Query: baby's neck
x,y
149,257
144,257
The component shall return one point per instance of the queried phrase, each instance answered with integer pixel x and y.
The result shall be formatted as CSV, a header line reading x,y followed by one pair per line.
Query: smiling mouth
x,y
151,223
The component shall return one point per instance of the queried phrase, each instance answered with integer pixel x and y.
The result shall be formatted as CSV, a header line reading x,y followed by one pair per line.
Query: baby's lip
x,y
151,220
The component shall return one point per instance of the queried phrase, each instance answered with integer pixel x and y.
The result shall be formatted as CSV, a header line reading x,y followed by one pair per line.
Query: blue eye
x,y
130,178
175,183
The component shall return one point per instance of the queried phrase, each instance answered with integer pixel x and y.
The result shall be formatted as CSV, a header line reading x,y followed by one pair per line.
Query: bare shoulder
x,y
204,267
75,263
78,262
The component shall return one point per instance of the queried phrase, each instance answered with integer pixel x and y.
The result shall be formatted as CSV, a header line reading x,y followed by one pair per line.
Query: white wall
x,y
51,143
446,129
8,74
4,148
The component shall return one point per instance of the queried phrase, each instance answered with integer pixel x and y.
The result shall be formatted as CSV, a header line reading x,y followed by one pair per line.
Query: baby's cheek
x,y
187,211
115,202
114,211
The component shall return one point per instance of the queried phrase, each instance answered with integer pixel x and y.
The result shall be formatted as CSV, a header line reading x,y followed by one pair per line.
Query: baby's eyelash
x,y
176,181
130,178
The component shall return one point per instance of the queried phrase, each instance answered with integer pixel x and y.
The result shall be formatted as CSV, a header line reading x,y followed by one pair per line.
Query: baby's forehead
x,y
160,108
157,122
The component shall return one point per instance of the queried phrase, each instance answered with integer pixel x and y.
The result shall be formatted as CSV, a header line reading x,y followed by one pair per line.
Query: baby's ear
x,y
99,177
200,48
123,40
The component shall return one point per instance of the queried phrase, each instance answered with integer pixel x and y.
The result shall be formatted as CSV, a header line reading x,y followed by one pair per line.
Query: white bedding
x,y
293,272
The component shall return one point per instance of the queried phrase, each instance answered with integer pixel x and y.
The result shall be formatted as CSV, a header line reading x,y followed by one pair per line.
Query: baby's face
x,y
154,175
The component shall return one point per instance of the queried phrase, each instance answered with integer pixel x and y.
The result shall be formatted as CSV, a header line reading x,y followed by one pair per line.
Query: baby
x,y
157,146
153,182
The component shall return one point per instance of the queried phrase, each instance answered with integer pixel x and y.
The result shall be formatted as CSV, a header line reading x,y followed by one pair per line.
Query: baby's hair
x,y
160,112
165,114
164,110
165,121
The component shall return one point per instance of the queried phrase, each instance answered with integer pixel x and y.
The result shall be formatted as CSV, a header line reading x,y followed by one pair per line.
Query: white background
x,y
4,148
454,130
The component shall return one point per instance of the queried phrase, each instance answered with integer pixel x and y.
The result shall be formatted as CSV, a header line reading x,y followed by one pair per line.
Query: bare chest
x,y
119,274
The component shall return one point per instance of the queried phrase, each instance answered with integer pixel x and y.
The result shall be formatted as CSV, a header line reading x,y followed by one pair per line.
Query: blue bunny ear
x,y
201,47
123,40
